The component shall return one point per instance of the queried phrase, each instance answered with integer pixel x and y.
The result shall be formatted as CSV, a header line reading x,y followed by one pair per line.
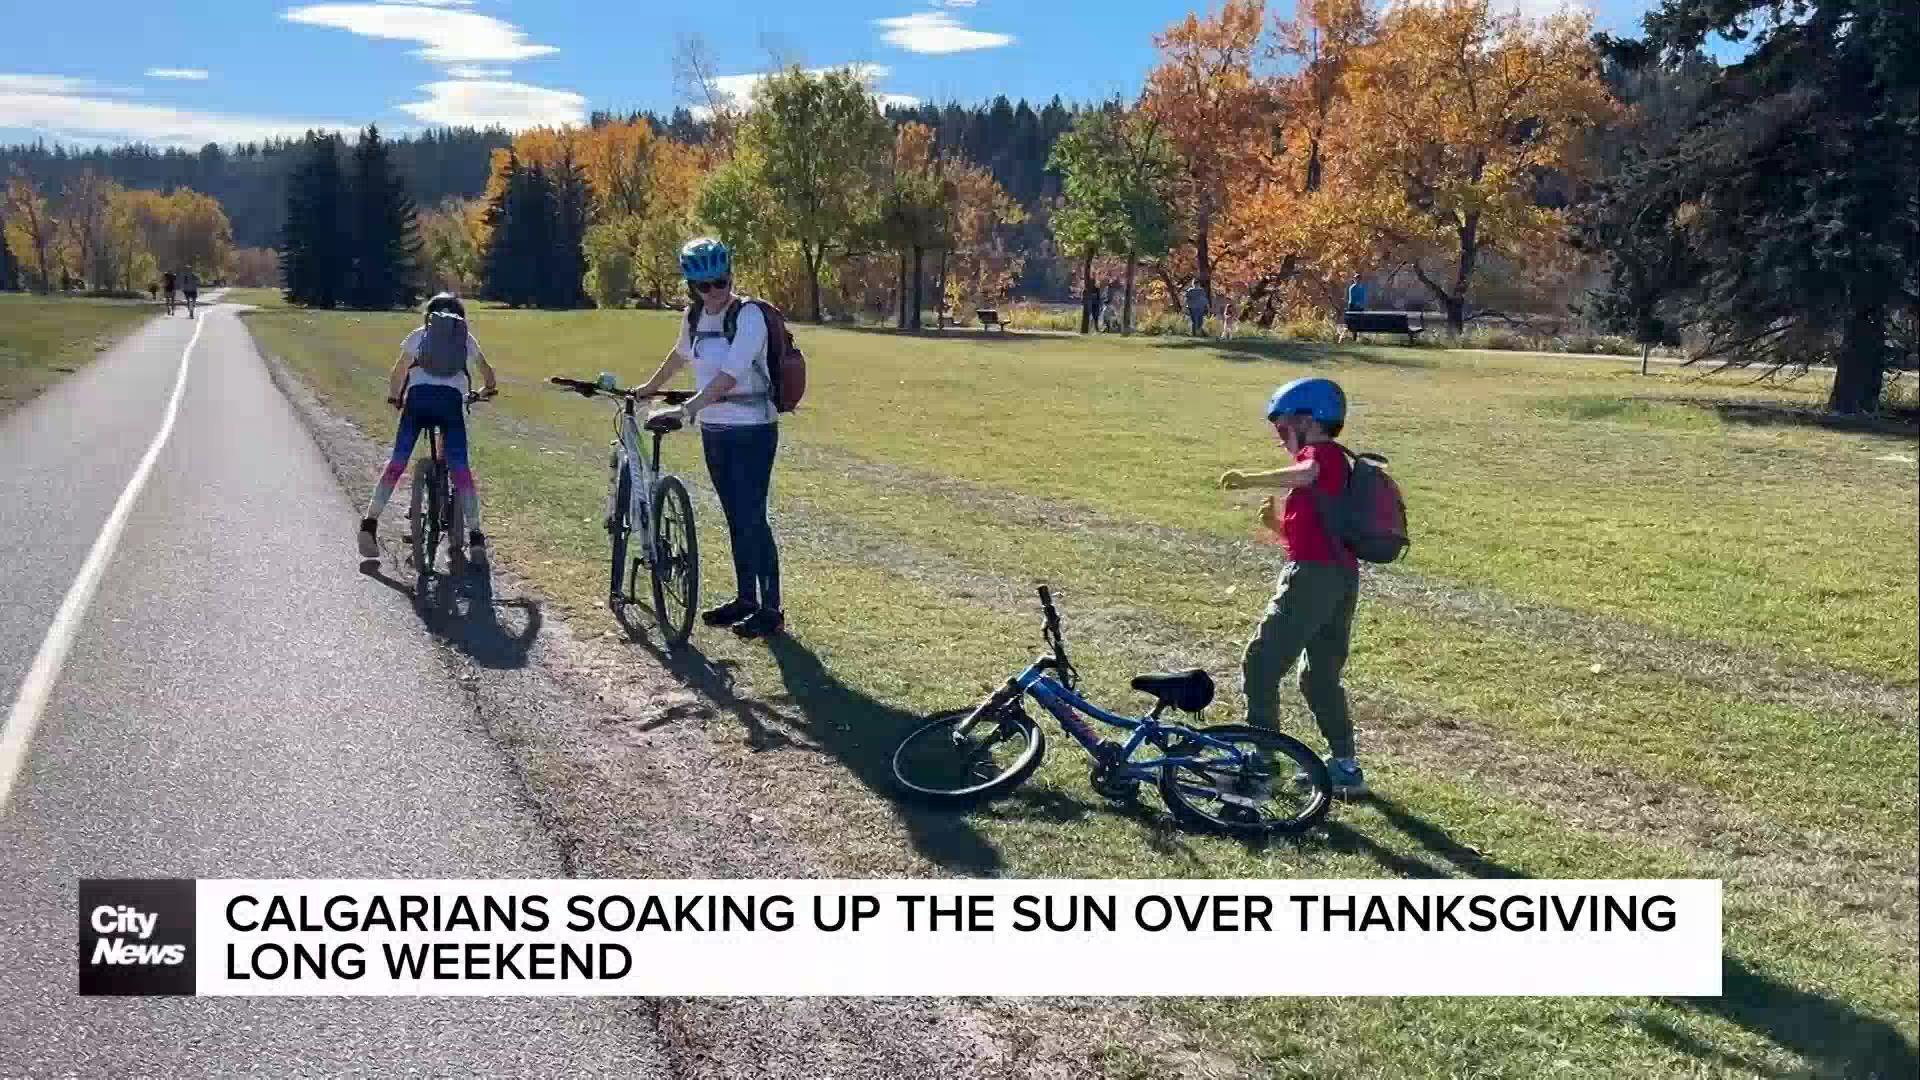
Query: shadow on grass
x,y
714,680
461,609
862,732
1903,425
958,333
1833,1037
1255,351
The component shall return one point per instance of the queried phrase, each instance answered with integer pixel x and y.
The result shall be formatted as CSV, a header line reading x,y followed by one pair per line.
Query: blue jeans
x,y
740,460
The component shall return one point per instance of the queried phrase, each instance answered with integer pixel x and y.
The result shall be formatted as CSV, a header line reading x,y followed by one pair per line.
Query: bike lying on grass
x,y
434,512
643,500
1232,778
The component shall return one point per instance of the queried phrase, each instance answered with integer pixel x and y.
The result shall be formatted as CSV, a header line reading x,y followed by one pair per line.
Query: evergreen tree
x,y
316,259
9,268
386,234
566,255
1799,185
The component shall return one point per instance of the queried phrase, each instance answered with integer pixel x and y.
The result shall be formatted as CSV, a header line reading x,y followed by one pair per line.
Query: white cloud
x,y
937,32
485,103
904,101
464,71
188,74
450,37
78,110
738,90
955,3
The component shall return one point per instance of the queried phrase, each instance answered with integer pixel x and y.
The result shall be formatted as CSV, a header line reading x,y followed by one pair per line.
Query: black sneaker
x,y
476,549
369,546
728,613
763,623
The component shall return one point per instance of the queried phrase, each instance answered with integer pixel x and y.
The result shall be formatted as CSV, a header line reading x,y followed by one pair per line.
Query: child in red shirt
x,y
1312,609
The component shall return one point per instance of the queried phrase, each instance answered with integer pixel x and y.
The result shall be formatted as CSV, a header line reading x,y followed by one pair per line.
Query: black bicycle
x,y
434,513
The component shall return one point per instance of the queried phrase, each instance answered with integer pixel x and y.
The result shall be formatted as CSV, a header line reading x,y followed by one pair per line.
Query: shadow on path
x,y
462,610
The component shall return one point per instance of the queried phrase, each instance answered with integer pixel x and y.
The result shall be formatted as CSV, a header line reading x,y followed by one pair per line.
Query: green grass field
x,y
1641,633
43,338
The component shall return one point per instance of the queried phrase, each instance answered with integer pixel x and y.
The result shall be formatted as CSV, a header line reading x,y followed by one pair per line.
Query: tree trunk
x,y
1456,314
1126,306
919,255
1086,293
940,319
1861,366
1646,350
812,259
1463,274
1203,251
900,293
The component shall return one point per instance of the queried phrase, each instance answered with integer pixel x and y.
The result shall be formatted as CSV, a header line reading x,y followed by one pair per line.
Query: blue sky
x,y
227,70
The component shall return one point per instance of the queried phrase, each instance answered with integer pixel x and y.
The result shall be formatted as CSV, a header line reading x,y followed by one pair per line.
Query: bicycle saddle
x,y
662,424
1189,691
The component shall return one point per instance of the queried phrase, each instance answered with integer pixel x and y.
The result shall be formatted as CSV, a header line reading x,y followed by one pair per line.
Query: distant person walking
x,y
1196,298
1229,314
1357,295
1094,304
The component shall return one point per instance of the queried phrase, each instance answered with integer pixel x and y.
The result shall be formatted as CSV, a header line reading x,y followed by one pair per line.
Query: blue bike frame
x,y
1067,706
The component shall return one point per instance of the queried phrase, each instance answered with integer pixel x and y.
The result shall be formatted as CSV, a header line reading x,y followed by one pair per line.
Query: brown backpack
x,y
786,364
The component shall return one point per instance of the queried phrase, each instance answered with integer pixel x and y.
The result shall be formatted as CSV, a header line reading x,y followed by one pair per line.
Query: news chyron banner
x,y
898,938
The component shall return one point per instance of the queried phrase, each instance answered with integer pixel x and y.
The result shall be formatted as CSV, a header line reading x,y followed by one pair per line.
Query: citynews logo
x,y
136,936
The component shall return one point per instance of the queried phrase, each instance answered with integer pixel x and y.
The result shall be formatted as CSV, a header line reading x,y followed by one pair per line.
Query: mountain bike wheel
x,y
619,530
420,514
995,757
1277,786
676,560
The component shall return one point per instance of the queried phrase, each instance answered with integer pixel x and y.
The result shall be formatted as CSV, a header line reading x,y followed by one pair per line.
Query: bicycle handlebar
x,y
591,389
1053,635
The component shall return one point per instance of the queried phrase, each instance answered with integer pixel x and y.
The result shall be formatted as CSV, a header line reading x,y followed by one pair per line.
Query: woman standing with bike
x,y
725,338
429,385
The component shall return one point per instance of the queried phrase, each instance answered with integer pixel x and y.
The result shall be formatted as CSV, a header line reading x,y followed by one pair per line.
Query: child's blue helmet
x,y
705,259
1321,399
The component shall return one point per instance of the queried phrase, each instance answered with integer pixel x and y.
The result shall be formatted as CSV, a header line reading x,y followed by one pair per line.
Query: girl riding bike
x,y
430,389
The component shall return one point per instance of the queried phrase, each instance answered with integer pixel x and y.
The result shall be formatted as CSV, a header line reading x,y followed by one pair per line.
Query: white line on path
x,y
38,685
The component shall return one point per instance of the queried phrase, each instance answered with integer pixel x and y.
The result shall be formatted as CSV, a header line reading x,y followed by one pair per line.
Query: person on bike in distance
x,y
170,286
1312,609
739,428
190,288
425,398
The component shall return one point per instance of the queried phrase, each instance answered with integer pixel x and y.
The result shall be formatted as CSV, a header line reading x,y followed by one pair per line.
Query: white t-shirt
x,y
745,360
418,376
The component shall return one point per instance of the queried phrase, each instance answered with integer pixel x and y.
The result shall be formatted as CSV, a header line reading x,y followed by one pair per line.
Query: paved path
x,y
237,702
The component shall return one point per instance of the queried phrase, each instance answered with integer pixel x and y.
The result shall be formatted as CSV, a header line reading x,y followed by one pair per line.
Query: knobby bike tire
x,y
619,529
675,564
1294,756
934,737
419,524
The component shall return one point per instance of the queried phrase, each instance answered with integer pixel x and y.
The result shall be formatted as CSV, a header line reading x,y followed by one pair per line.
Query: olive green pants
x,y
1311,612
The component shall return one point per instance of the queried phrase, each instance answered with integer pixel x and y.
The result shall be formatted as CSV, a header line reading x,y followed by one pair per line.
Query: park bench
x,y
989,319
1382,322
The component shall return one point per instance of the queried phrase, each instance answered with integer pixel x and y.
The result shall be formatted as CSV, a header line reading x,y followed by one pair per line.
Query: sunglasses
x,y
709,286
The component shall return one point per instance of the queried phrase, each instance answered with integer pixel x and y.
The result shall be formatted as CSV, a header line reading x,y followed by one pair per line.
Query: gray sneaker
x,y
1347,778
369,547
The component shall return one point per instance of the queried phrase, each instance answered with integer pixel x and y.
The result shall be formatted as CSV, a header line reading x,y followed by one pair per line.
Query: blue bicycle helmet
x,y
1321,399
705,259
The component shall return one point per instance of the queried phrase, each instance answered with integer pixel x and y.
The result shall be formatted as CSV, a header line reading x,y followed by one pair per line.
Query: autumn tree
x,y
83,226
814,141
1214,109
1281,234
980,264
451,241
1447,123
31,229
911,213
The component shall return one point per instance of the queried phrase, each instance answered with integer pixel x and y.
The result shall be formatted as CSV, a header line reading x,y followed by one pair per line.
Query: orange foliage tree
x,y
1444,128
1215,110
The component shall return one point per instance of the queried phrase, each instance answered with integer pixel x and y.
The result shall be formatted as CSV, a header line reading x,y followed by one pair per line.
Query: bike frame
x,y
1040,683
646,473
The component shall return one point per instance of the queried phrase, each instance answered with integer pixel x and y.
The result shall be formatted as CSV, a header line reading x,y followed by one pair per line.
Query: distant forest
x,y
1013,139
